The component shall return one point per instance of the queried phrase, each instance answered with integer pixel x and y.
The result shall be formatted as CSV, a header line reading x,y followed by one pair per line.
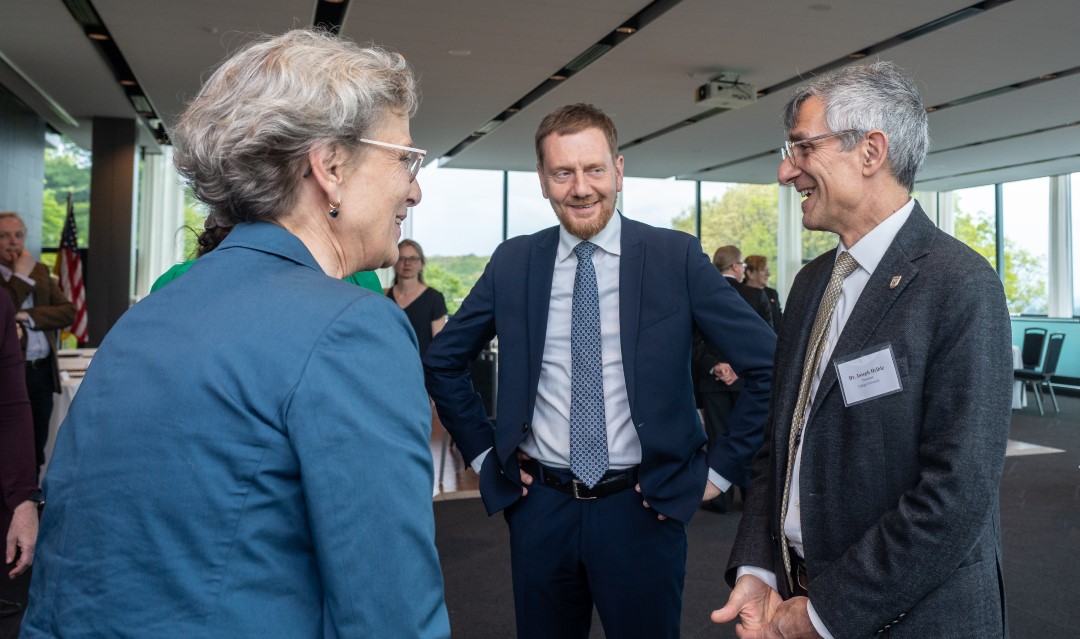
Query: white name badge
x,y
868,374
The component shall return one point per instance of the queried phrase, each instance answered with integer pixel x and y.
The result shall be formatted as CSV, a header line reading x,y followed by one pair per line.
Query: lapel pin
x,y
895,281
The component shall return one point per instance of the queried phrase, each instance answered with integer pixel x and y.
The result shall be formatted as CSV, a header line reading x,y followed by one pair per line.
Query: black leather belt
x,y
37,363
800,581
612,482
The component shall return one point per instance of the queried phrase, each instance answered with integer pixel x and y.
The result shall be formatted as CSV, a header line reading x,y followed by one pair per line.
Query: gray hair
x,y
243,142
868,97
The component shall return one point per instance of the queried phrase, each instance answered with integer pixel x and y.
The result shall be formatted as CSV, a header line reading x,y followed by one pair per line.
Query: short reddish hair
x,y
575,118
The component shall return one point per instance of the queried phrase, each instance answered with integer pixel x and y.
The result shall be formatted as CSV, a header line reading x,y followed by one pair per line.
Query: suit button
x,y
525,427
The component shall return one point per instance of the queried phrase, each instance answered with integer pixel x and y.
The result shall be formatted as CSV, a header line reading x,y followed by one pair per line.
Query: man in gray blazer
x,y
873,506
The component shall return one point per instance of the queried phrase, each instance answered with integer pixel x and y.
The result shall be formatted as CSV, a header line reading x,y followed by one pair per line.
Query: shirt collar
x,y
609,239
869,250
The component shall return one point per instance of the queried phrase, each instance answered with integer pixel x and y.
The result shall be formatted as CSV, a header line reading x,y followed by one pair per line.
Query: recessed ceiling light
x,y
557,77
128,83
858,55
333,1
931,109
460,52
626,30
97,36
1048,76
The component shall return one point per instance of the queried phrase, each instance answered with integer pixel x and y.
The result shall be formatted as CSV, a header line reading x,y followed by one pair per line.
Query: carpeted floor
x,y
1040,497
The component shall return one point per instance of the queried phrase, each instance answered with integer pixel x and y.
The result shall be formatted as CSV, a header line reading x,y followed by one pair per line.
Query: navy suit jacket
x,y
667,285
248,456
899,495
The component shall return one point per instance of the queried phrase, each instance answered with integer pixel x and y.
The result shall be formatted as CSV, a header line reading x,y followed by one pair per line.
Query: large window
x,y
1026,206
743,215
657,202
459,224
974,222
528,211
67,170
1075,214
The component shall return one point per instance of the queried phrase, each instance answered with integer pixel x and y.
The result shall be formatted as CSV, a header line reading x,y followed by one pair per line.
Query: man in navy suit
x,y
873,506
616,540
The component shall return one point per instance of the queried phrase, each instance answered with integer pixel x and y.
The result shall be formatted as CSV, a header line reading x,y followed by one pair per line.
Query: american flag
x,y
69,270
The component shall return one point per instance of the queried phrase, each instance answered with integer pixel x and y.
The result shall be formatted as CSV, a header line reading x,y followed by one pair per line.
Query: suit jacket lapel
x,y
631,264
912,242
541,267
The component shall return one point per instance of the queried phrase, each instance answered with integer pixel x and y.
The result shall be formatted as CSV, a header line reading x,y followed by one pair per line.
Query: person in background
x,y
264,470
214,233
757,277
874,505
424,306
598,455
717,384
729,261
18,473
42,309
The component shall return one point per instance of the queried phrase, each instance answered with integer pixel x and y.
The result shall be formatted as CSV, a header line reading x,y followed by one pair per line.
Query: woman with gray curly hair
x,y
242,459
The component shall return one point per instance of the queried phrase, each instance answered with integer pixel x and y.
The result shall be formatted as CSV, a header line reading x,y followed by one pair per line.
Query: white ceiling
x,y
646,83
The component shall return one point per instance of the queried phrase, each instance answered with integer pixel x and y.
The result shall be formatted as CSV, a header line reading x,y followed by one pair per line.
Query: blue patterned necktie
x,y
588,424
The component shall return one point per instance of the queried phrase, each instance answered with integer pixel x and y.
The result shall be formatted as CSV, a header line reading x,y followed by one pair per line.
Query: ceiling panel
x,y
475,58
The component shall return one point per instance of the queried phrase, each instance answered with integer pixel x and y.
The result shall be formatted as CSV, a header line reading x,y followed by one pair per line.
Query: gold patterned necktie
x,y
845,265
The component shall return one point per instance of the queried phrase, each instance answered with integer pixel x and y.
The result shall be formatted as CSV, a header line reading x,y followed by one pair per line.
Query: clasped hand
x,y
763,614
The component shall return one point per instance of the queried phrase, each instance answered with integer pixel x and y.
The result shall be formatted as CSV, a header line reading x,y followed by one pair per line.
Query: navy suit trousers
x,y
569,554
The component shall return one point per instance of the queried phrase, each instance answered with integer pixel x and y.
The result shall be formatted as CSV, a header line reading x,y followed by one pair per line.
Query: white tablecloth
x,y
1019,396
61,403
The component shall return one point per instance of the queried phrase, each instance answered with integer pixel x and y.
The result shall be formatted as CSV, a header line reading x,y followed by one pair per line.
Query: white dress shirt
x,y
868,252
548,440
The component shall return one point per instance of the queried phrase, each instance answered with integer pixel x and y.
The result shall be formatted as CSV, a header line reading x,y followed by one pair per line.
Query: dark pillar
x,y
112,198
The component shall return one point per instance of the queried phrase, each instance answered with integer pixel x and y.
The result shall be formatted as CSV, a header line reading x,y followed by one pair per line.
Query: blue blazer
x,y
248,456
667,285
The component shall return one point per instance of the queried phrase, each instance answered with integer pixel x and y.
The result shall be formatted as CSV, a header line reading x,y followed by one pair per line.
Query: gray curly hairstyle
x,y
867,97
243,142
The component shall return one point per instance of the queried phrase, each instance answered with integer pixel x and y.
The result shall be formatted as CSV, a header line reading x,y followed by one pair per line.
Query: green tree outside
x,y
454,276
67,169
1025,288
747,216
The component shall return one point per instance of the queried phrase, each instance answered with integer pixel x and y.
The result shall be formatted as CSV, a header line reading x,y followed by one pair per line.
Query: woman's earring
x,y
335,209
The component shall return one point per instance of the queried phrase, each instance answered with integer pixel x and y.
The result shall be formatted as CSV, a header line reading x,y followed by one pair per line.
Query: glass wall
x,y
743,215
1075,246
974,223
458,223
1026,206
660,203
528,211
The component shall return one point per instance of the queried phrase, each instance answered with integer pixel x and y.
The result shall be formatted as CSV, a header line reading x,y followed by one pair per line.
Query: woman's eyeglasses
x,y
409,261
412,158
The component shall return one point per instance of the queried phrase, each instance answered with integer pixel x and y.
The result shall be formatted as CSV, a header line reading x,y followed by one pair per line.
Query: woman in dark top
x,y
18,467
424,306
757,276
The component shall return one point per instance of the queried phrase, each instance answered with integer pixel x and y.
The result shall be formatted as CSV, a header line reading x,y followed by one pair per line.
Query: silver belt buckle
x,y
575,483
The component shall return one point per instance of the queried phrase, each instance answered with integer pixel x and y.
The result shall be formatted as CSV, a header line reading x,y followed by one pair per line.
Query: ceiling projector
x,y
725,91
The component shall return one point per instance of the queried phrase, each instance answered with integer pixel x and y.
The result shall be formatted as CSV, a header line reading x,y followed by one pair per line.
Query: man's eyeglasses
x,y
412,158
787,152
410,261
